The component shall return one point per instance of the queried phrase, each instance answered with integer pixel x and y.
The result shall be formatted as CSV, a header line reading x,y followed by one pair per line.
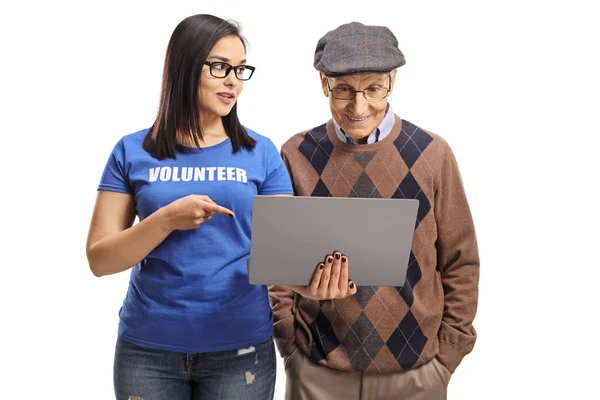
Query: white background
x,y
513,87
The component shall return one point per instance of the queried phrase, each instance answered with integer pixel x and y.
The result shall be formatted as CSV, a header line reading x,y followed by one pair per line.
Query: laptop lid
x,y
292,235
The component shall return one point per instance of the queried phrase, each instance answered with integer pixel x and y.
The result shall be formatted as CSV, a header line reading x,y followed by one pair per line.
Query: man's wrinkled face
x,y
358,117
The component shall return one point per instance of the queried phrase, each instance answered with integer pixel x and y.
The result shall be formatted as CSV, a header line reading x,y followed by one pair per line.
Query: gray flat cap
x,y
355,48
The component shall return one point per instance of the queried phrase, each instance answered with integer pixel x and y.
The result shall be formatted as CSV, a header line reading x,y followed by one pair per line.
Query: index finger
x,y
344,273
208,199
217,209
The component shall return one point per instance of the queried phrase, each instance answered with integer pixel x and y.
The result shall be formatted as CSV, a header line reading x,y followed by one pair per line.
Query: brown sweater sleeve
x,y
458,262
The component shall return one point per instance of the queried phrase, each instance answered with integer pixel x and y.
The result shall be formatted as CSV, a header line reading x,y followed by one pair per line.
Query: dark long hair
x,y
189,46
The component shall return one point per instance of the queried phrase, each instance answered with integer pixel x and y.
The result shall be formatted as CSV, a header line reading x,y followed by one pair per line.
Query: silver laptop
x,y
292,235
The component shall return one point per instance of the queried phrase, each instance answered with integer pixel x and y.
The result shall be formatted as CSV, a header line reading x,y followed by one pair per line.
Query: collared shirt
x,y
382,130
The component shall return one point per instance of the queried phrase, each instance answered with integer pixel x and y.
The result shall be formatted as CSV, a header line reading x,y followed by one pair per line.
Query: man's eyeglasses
x,y
220,69
371,93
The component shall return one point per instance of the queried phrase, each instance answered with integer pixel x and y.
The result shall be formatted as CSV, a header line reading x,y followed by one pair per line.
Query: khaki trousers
x,y
307,380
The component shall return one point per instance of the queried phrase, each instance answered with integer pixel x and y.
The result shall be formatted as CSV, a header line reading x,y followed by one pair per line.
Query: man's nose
x,y
359,104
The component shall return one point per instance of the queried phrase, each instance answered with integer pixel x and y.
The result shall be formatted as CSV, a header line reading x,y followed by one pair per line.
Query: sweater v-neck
x,y
353,148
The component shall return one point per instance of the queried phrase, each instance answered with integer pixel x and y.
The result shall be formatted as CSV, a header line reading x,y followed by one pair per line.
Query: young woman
x,y
191,326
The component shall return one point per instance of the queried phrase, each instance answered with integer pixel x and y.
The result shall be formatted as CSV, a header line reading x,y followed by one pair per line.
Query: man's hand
x,y
329,281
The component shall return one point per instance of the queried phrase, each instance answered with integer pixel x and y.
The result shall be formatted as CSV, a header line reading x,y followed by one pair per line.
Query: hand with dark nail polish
x,y
329,281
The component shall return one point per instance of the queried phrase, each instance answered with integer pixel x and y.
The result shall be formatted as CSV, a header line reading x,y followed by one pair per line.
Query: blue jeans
x,y
245,374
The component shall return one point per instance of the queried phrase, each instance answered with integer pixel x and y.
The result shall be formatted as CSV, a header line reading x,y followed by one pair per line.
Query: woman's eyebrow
x,y
227,60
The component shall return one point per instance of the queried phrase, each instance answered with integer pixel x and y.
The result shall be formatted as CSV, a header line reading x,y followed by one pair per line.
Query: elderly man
x,y
378,342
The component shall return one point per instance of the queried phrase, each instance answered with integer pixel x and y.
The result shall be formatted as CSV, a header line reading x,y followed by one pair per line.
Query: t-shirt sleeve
x,y
114,177
277,179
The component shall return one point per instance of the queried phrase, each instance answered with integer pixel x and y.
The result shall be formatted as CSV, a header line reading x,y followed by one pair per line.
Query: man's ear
x,y
324,84
392,79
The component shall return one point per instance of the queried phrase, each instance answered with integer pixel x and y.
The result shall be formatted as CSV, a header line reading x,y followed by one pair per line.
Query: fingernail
x,y
321,266
337,256
351,285
344,259
329,259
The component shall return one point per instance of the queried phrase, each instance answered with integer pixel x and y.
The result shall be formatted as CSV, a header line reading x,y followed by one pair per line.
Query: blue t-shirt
x,y
191,293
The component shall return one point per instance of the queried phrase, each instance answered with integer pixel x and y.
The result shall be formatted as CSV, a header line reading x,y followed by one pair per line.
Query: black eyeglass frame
x,y
229,68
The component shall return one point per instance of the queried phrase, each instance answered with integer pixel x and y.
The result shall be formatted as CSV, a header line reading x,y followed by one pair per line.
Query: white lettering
x,y
221,173
211,173
199,174
165,173
186,174
230,174
241,175
153,174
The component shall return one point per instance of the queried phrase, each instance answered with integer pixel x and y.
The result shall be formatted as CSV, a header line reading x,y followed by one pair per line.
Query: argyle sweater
x,y
388,329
